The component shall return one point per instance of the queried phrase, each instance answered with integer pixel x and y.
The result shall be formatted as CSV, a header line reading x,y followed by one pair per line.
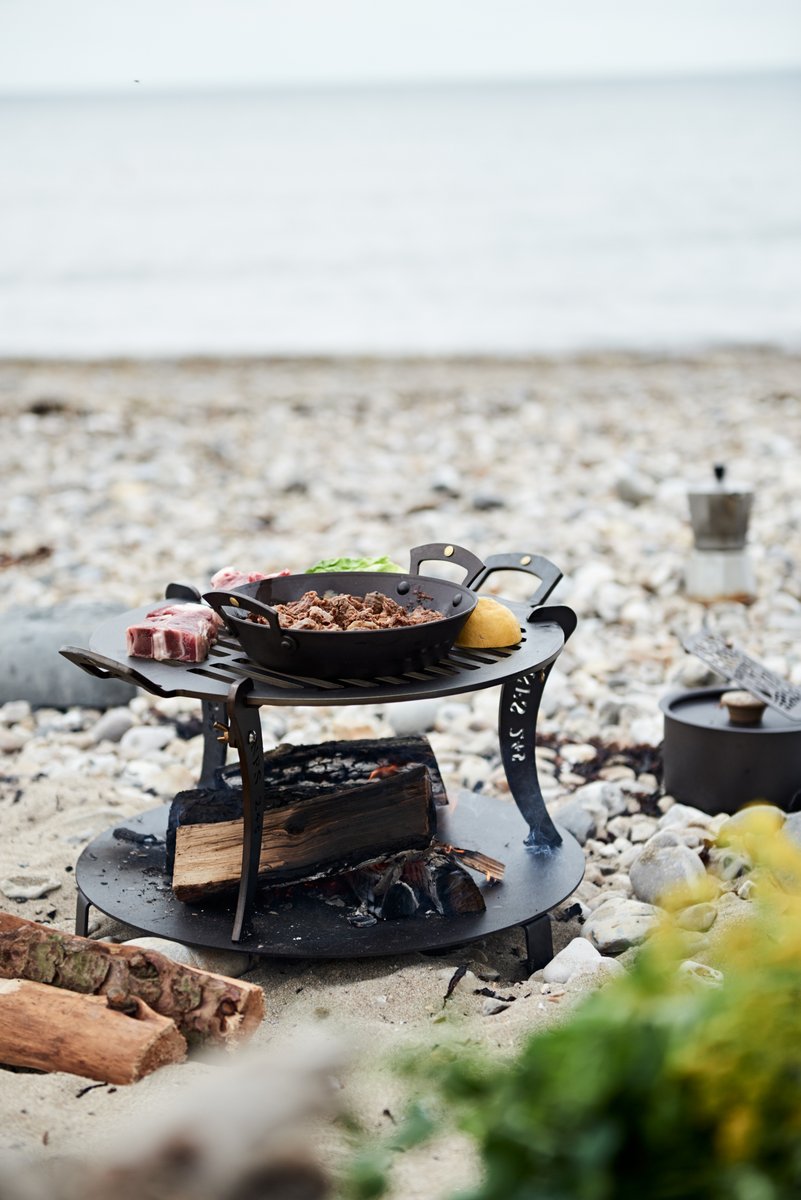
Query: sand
x,y
133,474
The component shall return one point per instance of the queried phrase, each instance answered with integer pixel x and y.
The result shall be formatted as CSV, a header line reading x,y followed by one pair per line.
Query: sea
x,y
470,219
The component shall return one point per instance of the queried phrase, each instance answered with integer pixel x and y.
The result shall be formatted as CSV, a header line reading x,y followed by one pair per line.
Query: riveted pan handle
x,y
223,601
446,553
532,564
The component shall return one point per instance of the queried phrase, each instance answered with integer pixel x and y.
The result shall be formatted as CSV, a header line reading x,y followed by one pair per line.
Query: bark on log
x,y
204,1006
53,1030
320,836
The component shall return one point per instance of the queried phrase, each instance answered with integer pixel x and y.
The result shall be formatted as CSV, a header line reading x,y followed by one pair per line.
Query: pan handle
x,y
102,667
532,564
446,553
221,601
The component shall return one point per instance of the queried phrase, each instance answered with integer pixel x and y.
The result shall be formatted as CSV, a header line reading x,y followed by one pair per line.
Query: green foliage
x,y
657,1087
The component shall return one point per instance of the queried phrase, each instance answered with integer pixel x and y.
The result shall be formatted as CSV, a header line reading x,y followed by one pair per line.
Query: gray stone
x,y
610,797
604,897
684,815
620,924
112,725
142,740
28,887
12,740
664,837
728,864
595,974
33,669
665,875
634,488
700,973
759,819
491,1008
15,711
573,817
698,917
577,953
642,828
412,716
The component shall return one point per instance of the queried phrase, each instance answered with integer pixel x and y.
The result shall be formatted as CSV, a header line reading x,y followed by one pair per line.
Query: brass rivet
x,y
525,560
234,601
448,551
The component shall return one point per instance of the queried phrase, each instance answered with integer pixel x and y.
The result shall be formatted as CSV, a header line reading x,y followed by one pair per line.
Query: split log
x,y
293,774
318,836
204,1006
53,1030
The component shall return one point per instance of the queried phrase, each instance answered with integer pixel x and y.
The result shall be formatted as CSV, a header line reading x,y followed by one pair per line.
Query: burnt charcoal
x,y
123,834
458,893
415,881
444,884
399,901
360,919
454,980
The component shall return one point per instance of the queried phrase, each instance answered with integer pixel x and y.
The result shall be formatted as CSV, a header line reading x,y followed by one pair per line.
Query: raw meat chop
x,y
185,632
231,577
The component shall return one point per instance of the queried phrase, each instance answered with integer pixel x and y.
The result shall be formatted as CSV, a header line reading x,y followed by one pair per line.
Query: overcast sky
x,y
85,45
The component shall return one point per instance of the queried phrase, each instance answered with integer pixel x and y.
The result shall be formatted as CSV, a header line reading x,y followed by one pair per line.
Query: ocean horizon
x,y
516,218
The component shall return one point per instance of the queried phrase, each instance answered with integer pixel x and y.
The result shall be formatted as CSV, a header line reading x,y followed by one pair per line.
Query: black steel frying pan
x,y
353,654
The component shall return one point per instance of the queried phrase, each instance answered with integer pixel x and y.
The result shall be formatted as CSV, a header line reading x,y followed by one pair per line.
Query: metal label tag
x,y
746,672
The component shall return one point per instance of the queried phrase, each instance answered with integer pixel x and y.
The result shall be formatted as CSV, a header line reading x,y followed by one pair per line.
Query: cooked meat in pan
x,y
336,614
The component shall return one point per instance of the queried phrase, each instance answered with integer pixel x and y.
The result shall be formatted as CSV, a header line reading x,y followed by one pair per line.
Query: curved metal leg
x,y
244,732
517,733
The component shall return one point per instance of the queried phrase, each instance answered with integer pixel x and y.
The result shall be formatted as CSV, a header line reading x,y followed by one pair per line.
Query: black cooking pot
x,y
717,766
357,653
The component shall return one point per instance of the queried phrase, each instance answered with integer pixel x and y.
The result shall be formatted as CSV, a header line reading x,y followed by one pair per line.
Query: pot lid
x,y
702,708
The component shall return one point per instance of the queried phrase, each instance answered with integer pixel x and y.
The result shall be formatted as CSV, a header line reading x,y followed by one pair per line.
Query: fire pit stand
x,y
126,877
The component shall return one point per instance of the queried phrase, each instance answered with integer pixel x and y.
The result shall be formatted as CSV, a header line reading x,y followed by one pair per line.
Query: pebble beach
x,y
122,476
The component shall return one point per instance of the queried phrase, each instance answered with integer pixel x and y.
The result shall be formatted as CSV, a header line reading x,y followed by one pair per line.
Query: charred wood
x,y
320,835
432,881
296,773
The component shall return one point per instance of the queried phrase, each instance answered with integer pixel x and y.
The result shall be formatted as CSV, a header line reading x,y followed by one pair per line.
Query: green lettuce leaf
x,y
382,563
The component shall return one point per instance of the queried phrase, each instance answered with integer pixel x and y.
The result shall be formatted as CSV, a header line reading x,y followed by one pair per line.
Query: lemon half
x,y
489,624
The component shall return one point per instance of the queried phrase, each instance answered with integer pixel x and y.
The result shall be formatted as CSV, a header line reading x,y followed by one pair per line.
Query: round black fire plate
x,y
127,880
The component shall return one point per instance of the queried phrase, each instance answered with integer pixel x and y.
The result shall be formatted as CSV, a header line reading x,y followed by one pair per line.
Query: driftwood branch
x,y
53,1030
204,1006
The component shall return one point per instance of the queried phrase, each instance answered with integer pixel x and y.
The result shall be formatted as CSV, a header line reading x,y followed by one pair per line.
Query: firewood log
x,y
204,1006
318,836
55,1030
